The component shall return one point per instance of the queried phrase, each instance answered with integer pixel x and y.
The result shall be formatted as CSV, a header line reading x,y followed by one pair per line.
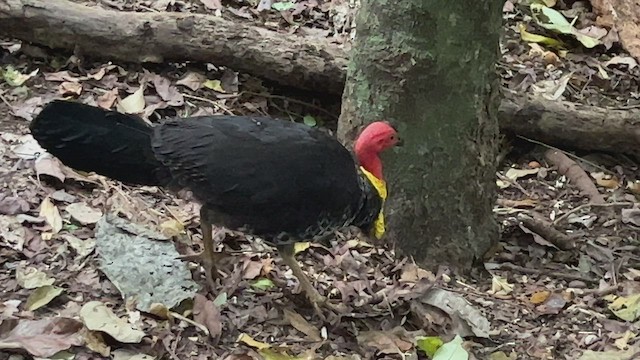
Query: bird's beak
x,y
400,142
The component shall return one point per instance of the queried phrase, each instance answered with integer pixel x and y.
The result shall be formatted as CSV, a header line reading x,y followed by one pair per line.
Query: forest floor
x,y
562,283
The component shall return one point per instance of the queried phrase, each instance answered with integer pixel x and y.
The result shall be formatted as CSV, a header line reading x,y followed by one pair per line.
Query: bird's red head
x,y
375,138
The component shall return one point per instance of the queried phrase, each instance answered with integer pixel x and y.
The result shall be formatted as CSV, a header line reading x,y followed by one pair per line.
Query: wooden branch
x,y
575,174
159,37
538,224
291,60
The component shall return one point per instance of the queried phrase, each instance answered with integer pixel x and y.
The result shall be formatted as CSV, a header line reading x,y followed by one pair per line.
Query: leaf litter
x,y
572,303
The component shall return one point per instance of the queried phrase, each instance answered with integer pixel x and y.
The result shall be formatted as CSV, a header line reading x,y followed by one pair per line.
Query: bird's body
x,y
282,181
279,180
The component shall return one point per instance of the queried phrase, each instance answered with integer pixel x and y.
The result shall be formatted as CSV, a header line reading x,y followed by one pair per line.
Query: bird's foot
x,y
209,265
320,302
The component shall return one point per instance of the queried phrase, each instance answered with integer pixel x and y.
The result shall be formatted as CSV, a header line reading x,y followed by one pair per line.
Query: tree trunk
x,y
427,66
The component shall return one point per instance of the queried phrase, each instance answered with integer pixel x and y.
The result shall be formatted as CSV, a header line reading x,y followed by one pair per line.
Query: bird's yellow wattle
x,y
381,188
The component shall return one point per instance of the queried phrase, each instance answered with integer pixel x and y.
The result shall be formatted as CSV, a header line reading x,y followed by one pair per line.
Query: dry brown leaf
x,y
244,338
95,342
631,216
83,213
51,214
13,205
606,180
207,313
70,88
122,354
134,103
61,76
50,166
167,92
500,286
624,16
44,337
297,321
385,342
42,296
624,60
107,99
413,273
192,80
552,305
98,75
540,297
97,316
212,4
32,278
252,269
172,227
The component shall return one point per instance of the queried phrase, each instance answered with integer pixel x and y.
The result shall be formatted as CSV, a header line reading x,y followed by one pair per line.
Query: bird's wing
x,y
260,170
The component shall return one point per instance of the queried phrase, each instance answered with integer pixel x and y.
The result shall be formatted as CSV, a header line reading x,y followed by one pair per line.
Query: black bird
x,y
282,181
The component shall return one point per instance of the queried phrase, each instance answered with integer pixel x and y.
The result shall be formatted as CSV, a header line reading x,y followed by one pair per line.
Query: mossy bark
x,y
428,67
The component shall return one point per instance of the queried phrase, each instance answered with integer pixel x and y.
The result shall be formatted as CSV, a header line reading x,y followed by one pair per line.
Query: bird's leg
x,y
208,257
287,252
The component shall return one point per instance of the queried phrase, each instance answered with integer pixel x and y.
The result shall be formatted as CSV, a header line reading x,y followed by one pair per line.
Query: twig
x,y
514,183
189,321
597,292
173,214
295,101
576,174
524,270
568,154
4,100
224,108
148,8
583,206
538,224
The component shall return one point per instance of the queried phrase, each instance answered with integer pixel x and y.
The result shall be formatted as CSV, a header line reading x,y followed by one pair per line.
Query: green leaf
x,y
553,20
429,344
535,38
301,246
221,299
14,77
452,350
214,85
310,120
626,307
63,355
42,296
283,6
262,284
70,227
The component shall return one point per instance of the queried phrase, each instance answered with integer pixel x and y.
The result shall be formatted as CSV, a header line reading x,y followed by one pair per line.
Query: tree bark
x,y
428,67
159,37
287,59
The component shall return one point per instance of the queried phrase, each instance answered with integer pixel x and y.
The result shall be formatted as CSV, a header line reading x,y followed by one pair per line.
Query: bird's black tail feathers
x,y
89,138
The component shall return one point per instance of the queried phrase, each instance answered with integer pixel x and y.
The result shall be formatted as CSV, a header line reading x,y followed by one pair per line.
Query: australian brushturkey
x,y
279,180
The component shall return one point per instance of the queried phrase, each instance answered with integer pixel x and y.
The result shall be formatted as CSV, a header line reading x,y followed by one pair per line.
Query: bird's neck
x,y
371,162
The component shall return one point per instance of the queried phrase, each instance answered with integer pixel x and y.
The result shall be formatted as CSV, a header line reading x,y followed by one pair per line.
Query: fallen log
x,y
568,125
159,37
284,58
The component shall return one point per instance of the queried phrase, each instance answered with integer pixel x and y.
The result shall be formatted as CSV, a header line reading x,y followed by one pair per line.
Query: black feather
x,y
280,180
88,138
